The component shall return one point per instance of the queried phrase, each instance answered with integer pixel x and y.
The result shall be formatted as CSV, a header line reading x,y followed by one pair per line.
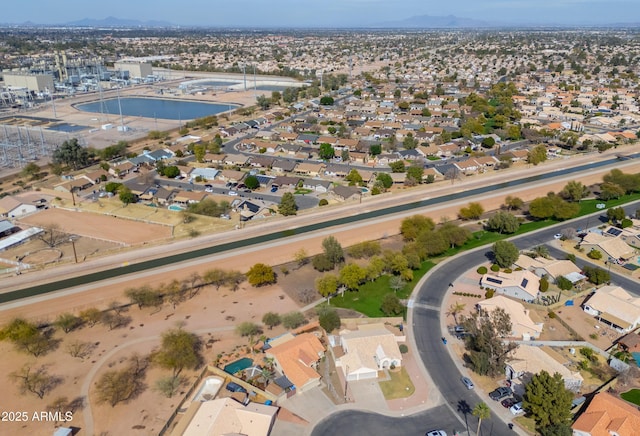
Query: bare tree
x,y
38,381
53,235
80,349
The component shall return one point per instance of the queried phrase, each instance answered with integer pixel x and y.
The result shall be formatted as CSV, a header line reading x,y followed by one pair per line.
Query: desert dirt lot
x,y
98,226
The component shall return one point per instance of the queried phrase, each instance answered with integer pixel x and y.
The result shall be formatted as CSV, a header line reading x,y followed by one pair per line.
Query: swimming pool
x,y
238,365
209,389
175,207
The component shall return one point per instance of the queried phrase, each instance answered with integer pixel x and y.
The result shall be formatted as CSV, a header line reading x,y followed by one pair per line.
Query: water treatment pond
x,y
163,108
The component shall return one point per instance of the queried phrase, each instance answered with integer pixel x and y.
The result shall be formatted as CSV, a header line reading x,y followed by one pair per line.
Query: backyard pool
x,y
175,208
209,389
238,365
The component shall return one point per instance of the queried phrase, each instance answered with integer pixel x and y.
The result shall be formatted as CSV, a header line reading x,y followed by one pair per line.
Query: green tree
x,y
352,275
126,196
271,319
67,322
454,235
547,399
199,151
414,174
503,222
251,182
332,250
171,171
616,214
293,320
596,275
326,100
328,318
26,337
179,350
248,328
482,412
610,191
594,254
263,102
260,275
564,283
375,149
537,155
288,204
472,211
409,142
354,178
327,285
391,305
513,203
385,180
574,191
544,284
397,167
412,226
486,350
326,151
71,153
30,170
505,253
144,297
396,283
488,142
455,310
90,316
275,97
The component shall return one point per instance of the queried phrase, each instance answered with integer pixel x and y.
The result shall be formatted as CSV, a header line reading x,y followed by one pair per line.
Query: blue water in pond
x,y
217,83
163,108
64,127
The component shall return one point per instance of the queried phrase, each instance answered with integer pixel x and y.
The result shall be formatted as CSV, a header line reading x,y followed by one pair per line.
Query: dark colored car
x,y
508,402
499,393
234,387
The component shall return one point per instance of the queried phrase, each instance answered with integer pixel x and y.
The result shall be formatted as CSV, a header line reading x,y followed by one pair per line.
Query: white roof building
x,y
615,307
522,325
523,285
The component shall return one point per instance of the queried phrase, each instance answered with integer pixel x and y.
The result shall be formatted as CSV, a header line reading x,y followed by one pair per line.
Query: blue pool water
x,y
175,207
163,108
238,365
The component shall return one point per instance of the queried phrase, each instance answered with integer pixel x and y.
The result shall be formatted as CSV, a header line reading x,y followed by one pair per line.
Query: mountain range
x,y
117,22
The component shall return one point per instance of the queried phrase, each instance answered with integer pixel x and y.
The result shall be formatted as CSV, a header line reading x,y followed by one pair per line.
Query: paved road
x,y
427,331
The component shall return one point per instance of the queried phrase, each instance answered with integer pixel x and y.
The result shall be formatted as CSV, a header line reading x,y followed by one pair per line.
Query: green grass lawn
x,y
367,300
632,396
400,385
302,191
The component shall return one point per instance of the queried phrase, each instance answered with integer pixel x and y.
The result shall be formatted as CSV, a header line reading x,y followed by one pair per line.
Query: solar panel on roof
x,y
492,280
524,283
613,231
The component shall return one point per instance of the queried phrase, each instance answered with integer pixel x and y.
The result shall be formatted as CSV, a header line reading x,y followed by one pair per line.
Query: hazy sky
x,y
321,13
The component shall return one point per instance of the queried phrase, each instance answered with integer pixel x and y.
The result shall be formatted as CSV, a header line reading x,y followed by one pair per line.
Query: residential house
x,y
96,177
226,416
204,173
346,192
11,207
551,268
309,169
522,326
261,161
630,343
615,307
239,160
189,197
607,415
75,185
251,209
369,349
525,361
612,247
232,176
185,171
283,166
359,157
286,181
298,359
319,186
332,170
523,285
122,168
162,196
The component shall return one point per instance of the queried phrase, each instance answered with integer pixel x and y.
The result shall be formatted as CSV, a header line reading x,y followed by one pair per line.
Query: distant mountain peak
x,y
435,22
117,22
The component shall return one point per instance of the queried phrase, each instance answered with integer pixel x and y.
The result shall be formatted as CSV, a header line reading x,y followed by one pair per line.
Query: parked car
x,y
499,393
233,193
508,402
274,188
234,387
436,433
208,188
467,382
557,236
517,409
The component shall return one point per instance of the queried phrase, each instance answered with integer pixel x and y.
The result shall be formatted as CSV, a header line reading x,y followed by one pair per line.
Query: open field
x,y
97,226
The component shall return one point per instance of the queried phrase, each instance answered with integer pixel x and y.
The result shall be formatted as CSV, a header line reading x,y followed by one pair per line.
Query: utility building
x,y
135,68
33,82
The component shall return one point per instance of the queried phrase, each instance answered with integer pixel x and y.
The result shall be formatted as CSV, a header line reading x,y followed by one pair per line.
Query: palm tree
x,y
541,251
455,310
481,411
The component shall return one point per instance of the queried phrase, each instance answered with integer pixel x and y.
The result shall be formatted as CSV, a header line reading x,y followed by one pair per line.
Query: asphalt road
x,y
436,357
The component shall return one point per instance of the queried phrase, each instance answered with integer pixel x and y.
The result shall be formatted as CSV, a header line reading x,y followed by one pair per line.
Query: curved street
x,y
428,326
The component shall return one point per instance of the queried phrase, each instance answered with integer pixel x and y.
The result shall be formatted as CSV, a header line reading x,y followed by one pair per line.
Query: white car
x,y
517,409
436,433
233,193
557,236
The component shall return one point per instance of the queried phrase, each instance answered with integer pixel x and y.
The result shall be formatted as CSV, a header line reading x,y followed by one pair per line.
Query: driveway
x,y
367,395
312,405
